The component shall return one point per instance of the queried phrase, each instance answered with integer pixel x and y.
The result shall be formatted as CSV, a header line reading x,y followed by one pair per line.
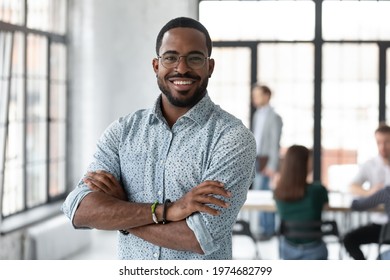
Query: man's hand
x,y
375,188
103,181
196,200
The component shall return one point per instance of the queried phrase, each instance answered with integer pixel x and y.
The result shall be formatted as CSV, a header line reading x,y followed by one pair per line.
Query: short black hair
x,y
183,22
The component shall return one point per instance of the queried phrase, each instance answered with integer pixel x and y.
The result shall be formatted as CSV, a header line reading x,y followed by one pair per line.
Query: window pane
x,y
36,141
5,60
350,103
229,86
13,195
58,82
36,184
356,20
253,20
288,69
12,11
13,199
57,140
57,158
58,63
36,163
57,177
58,101
47,15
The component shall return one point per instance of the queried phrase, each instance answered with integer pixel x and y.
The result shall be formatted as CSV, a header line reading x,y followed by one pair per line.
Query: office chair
x,y
384,238
244,243
311,230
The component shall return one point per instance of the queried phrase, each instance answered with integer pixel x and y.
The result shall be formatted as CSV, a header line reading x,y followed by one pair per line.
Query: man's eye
x,y
170,58
195,59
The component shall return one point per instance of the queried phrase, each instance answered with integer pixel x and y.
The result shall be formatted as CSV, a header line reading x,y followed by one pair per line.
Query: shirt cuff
x,y
72,202
206,241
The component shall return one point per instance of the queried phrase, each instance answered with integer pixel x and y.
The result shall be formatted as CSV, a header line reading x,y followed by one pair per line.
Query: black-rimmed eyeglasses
x,y
193,60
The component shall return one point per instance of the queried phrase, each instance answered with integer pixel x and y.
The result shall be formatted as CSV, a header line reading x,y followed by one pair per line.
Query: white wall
x,y
112,47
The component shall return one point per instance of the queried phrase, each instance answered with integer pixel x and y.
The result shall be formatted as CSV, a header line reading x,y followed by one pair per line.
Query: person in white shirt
x,y
376,172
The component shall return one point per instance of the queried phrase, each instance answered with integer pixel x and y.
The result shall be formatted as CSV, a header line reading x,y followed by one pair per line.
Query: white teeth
x,y
182,82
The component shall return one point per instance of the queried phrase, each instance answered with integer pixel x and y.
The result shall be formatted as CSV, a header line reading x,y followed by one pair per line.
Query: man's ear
x,y
211,66
155,65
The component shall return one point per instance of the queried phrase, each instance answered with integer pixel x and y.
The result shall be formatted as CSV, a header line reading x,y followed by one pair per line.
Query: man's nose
x,y
182,65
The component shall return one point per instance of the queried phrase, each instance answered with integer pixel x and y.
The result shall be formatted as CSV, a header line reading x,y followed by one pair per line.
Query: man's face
x,y
181,85
383,143
259,98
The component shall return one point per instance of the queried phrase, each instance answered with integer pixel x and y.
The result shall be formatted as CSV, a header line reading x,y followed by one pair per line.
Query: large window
x,y
328,64
33,90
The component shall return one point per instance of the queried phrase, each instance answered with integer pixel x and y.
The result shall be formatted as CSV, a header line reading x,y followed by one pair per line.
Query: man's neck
x,y
386,160
172,113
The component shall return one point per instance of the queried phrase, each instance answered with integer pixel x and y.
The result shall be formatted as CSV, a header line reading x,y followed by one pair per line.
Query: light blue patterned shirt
x,y
156,162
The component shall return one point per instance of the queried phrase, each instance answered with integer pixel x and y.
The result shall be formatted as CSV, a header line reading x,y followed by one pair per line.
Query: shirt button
x,y
159,192
155,255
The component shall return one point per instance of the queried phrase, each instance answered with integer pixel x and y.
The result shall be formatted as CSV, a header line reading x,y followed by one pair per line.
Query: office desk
x,y
259,200
338,208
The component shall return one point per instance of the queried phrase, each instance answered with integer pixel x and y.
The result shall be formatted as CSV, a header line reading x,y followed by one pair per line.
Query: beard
x,y
189,102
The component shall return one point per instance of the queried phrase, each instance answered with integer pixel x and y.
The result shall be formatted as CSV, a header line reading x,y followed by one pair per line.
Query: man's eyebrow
x,y
191,52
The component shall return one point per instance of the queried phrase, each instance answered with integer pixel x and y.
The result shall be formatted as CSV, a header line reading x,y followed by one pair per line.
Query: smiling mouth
x,y
182,83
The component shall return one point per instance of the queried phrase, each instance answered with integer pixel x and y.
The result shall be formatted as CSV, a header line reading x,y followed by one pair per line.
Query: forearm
x,y
358,190
174,235
371,201
101,211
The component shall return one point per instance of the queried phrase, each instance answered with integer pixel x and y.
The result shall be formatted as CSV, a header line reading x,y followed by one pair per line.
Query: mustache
x,y
187,75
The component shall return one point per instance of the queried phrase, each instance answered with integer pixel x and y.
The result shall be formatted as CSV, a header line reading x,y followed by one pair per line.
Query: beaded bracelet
x,y
153,207
124,232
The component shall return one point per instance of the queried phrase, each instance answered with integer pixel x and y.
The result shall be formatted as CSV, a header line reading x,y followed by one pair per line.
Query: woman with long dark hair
x,y
299,199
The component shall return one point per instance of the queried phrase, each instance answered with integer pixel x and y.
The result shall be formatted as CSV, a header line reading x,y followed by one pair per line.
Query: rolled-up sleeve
x,y
232,163
73,200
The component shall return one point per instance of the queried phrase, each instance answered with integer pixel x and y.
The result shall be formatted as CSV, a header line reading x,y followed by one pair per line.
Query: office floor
x,y
104,245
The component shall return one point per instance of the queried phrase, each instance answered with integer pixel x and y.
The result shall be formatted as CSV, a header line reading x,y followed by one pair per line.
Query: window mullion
x,y
24,119
48,119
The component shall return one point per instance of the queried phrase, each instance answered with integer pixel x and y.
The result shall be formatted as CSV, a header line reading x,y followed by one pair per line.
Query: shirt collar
x,y
200,113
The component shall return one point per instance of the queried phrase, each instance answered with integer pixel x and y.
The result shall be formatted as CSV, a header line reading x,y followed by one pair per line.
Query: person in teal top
x,y
299,199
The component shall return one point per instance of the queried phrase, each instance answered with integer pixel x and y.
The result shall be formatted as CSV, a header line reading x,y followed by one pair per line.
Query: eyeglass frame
x,y
180,56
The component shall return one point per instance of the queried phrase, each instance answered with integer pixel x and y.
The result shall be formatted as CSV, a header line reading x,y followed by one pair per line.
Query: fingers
x,y
97,181
101,180
211,188
202,198
105,182
209,199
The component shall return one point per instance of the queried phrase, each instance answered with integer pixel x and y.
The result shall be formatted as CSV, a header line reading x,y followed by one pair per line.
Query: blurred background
x,y
68,68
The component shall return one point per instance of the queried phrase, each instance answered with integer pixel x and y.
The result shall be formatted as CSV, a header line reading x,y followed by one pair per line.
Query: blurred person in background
x,y
299,199
267,130
375,172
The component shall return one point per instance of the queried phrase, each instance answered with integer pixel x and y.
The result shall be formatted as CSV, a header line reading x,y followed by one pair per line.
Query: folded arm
x,y
106,208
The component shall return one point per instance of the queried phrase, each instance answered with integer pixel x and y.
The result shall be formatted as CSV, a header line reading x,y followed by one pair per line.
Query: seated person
x,y
380,197
298,199
375,172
